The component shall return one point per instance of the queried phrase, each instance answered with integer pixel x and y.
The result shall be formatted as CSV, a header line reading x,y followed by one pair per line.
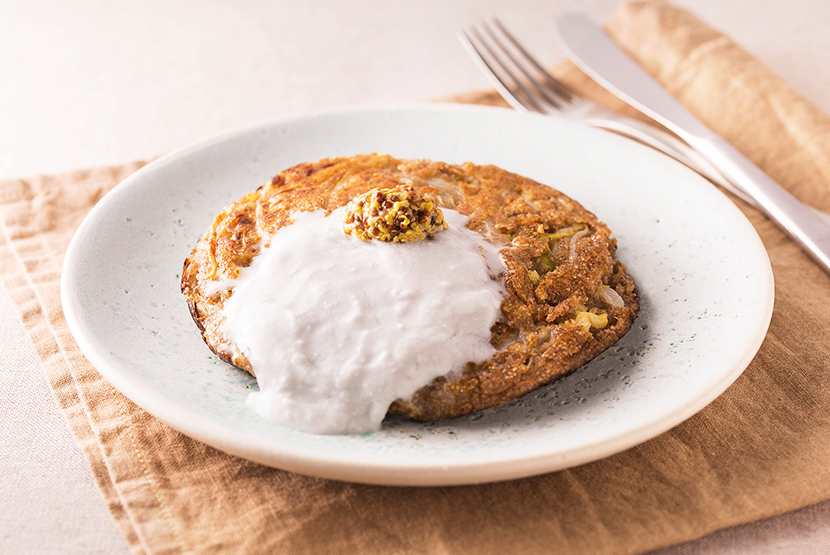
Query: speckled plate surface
x,y
703,275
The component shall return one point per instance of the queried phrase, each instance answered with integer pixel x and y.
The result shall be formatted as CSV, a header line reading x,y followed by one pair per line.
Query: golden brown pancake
x,y
567,299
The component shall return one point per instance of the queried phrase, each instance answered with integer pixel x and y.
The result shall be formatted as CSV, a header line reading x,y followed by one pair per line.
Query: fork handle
x,y
681,151
667,144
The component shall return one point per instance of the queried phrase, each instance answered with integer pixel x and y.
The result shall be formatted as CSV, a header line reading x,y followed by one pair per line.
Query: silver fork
x,y
526,86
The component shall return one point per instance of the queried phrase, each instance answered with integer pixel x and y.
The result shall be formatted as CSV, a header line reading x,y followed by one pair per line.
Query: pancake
x,y
567,298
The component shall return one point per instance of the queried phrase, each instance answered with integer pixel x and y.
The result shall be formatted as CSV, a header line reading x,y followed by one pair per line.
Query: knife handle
x,y
777,203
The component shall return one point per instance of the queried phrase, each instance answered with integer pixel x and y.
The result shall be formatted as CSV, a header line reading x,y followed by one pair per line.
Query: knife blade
x,y
587,45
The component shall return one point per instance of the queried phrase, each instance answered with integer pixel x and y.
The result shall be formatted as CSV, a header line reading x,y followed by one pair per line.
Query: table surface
x,y
91,83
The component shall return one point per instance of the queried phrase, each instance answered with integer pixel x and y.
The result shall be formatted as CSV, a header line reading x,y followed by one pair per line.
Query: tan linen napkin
x,y
760,449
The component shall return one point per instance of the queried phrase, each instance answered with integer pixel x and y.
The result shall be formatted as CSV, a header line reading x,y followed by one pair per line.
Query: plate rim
x,y
417,473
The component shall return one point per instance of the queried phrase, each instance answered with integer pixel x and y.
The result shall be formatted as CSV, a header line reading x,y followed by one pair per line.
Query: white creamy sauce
x,y
336,328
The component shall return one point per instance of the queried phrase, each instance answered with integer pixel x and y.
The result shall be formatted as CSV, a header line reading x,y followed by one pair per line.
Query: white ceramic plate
x,y
703,275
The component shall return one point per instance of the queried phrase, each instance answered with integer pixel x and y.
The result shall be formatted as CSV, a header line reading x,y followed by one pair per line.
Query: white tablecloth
x,y
92,83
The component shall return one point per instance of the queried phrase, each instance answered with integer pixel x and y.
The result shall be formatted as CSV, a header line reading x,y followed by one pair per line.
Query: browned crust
x,y
537,338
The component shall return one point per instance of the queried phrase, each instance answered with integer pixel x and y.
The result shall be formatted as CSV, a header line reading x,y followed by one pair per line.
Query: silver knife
x,y
596,54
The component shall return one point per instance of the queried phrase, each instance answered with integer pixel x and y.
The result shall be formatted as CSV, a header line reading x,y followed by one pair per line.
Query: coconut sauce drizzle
x,y
336,329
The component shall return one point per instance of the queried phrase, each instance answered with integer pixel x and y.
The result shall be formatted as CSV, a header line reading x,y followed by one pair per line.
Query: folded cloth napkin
x,y
760,449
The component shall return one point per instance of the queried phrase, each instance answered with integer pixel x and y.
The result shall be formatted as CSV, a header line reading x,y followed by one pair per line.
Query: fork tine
x,y
550,96
510,96
501,76
485,68
526,94
553,83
